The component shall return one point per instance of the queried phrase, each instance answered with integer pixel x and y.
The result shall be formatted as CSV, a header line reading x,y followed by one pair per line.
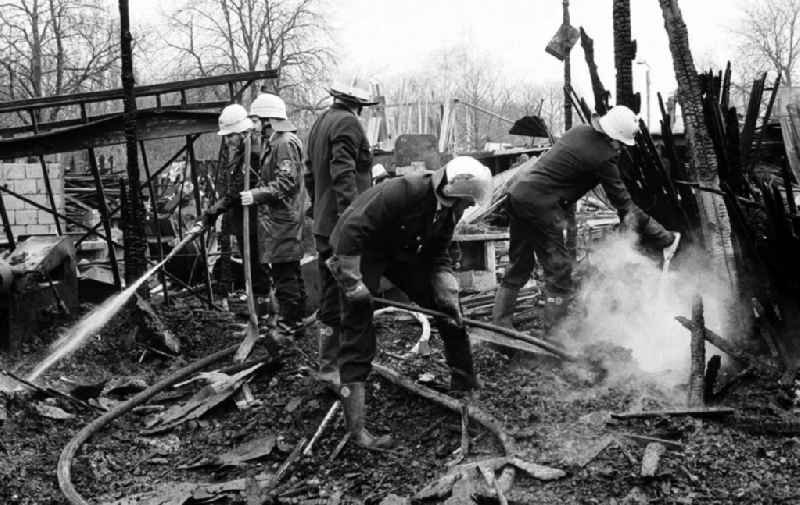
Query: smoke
x,y
626,300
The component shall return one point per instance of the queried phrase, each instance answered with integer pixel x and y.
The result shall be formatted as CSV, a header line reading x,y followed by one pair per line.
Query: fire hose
x,y
509,332
64,468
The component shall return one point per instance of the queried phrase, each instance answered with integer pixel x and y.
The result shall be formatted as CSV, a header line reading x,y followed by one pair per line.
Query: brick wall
x,y
27,180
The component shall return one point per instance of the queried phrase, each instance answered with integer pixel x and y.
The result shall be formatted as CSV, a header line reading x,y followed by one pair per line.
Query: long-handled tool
x,y
251,332
517,335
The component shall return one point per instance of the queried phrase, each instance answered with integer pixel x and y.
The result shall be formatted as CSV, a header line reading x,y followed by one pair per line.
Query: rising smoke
x,y
626,300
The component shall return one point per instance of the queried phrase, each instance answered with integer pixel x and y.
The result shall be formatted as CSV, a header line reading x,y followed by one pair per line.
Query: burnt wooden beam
x,y
140,91
48,187
151,125
150,179
156,223
4,189
105,217
601,94
65,123
133,229
698,355
6,223
624,54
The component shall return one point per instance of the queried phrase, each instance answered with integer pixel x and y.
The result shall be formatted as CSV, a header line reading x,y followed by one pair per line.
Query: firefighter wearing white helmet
x,y
338,168
236,127
279,201
541,198
401,229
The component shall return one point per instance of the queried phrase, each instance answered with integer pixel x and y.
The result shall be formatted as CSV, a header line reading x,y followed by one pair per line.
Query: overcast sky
x,y
382,37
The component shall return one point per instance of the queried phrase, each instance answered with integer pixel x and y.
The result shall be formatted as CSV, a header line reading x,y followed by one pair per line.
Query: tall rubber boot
x,y
458,355
328,345
505,299
353,397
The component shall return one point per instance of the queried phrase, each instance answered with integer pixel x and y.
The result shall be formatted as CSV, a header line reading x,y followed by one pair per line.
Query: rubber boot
x,y
458,355
328,345
353,397
504,302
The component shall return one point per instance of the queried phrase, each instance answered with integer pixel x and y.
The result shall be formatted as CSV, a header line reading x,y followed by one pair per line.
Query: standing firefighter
x,y
402,229
280,201
236,127
337,169
540,200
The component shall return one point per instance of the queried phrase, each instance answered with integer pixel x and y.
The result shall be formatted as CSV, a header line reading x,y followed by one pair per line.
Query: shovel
x,y
251,332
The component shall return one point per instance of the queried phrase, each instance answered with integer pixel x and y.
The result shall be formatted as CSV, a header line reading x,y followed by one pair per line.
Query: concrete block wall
x,y
27,180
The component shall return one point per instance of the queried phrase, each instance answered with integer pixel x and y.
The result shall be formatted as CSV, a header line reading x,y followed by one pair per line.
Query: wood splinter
x,y
326,421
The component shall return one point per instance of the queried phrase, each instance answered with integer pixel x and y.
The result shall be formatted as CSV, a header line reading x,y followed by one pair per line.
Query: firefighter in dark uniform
x,y
540,200
338,168
280,200
235,126
402,229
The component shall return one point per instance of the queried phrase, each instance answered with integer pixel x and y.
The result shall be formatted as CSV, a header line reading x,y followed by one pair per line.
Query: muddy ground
x,y
558,416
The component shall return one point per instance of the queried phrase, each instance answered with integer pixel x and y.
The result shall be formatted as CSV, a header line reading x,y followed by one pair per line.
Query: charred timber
x,y
601,94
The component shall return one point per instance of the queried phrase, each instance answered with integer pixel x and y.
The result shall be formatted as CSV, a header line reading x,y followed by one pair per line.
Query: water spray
x,y
92,322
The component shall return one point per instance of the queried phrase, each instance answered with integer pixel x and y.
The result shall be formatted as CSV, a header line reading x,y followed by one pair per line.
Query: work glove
x,y
247,198
347,272
209,217
445,295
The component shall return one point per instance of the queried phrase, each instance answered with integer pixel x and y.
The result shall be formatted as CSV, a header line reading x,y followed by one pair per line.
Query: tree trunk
x,y
624,53
715,226
134,231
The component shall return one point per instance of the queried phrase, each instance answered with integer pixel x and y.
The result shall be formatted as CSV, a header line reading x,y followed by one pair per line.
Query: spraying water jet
x,y
92,322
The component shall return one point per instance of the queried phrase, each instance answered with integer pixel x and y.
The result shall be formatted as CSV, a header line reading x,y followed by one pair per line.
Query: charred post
x,y
134,230
698,359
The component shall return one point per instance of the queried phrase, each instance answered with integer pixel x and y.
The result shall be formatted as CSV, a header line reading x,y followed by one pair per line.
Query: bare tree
x,y
292,36
769,34
53,47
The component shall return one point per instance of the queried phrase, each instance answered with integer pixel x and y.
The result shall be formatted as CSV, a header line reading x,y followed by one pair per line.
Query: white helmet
x,y
354,89
620,123
233,119
466,178
267,105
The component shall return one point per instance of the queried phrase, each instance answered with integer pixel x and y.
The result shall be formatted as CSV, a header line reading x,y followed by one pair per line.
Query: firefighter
x,y
402,229
539,203
337,169
280,200
236,128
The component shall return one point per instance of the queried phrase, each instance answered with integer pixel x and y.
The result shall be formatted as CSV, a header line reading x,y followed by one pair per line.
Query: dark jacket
x,y
579,161
338,166
280,200
229,183
398,220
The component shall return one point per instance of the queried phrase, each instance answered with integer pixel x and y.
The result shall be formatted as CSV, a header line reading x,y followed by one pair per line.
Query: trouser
x,y
358,343
329,312
289,290
541,233
541,230
260,272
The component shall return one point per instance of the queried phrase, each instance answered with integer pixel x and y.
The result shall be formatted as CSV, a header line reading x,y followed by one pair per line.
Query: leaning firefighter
x,y
236,128
540,201
280,201
402,229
